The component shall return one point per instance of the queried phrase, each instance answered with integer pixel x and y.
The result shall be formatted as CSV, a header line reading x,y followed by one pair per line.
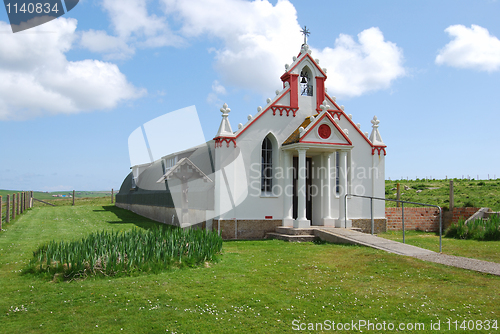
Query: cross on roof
x,y
306,33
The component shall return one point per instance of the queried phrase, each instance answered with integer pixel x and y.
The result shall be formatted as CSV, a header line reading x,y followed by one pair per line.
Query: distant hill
x,y
54,194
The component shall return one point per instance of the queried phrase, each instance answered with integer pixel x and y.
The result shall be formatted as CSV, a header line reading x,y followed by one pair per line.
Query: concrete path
x,y
340,235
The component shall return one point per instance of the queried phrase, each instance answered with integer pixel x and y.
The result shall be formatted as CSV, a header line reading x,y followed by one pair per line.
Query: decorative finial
x,y
324,106
375,137
225,110
225,127
306,33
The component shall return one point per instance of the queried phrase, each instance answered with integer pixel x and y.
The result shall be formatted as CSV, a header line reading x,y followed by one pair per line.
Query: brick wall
x,y
424,218
464,213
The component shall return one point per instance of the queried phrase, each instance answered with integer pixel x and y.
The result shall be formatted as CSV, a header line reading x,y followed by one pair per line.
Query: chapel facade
x,y
297,162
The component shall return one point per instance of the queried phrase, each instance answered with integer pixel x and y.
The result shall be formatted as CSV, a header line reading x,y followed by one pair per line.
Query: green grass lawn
x,y
476,193
256,287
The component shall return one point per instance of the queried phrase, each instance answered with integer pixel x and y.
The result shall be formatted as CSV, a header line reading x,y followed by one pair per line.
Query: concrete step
x,y
490,214
291,238
294,231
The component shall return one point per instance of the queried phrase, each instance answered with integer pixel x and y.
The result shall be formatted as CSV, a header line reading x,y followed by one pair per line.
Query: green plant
x,y
477,229
111,253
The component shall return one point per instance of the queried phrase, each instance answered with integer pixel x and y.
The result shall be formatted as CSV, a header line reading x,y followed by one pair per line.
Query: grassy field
x,y
474,193
258,286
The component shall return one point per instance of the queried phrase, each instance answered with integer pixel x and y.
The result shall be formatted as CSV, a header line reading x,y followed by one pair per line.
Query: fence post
x,y
371,214
7,218
398,194
403,219
14,206
112,196
18,203
31,199
73,198
440,230
21,209
452,197
0,212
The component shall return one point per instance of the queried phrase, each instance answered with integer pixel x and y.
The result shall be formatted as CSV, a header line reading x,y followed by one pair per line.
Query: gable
x,y
325,130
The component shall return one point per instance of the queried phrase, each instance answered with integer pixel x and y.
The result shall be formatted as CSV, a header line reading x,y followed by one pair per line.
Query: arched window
x,y
267,165
306,87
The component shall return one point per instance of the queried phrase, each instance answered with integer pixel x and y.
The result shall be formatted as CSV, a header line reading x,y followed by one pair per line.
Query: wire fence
x,y
16,204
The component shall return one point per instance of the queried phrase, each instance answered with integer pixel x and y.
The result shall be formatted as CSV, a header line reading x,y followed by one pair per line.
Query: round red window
x,y
324,131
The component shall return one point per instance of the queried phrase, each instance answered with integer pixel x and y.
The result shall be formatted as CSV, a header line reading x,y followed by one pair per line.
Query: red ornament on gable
x,y
324,131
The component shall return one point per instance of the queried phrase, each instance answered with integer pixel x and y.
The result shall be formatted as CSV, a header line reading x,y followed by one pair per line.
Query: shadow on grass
x,y
129,217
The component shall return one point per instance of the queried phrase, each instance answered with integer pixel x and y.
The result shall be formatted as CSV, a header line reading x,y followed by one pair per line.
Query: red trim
x,y
220,140
379,148
269,217
341,112
320,92
324,143
283,108
294,91
334,124
337,113
299,61
262,113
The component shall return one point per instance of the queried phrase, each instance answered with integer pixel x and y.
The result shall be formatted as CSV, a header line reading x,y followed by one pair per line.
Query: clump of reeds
x,y
111,253
477,229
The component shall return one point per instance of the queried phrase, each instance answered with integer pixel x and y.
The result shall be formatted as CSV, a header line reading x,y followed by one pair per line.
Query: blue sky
x,y
73,90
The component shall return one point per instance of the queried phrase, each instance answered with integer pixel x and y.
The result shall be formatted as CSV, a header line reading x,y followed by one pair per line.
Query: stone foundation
x,y
232,229
380,225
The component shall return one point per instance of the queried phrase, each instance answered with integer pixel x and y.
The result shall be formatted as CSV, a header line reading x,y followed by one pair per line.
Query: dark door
x,y
308,188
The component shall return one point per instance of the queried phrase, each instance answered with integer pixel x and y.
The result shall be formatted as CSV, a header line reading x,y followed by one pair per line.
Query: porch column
x,y
301,220
287,189
326,191
342,191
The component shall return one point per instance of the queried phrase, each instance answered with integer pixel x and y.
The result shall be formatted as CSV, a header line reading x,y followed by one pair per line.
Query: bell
x,y
303,80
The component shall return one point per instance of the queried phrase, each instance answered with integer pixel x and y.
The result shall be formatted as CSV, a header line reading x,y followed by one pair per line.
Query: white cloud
x,y
100,41
472,47
133,27
355,68
36,78
217,90
258,38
